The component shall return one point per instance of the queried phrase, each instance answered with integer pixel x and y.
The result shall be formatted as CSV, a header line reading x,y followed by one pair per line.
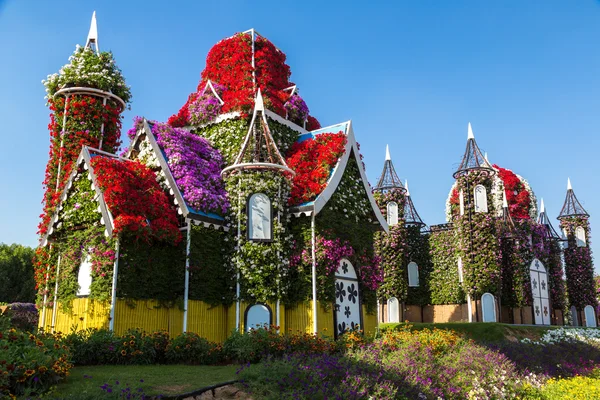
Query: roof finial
x,y
569,187
93,35
542,206
259,103
387,153
406,187
504,201
470,133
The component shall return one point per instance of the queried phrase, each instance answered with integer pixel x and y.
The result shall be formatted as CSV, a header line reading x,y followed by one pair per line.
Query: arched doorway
x,y
393,308
347,299
539,291
488,307
590,317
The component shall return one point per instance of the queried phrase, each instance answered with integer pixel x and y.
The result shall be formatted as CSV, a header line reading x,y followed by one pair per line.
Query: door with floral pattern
x,y
347,298
539,290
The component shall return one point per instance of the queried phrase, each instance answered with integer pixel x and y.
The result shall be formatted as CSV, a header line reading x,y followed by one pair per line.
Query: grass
x,y
84,382
480,331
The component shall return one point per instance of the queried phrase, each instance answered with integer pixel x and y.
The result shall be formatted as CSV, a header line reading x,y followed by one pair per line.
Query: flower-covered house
x,y
240,211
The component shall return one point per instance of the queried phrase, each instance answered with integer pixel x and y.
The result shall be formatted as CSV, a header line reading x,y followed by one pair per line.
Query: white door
x,y
347,298
590,317
393,310
488,307
539,291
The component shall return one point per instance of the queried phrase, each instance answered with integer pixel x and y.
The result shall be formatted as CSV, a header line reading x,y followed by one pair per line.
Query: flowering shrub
x,y
88,69
196,167
443,281
29,363
579,267
23,316
517,195
137,203
189,348
296,109
206,107
313,160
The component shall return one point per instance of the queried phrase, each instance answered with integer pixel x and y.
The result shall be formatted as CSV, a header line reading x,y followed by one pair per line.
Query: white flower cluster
x,y
588,335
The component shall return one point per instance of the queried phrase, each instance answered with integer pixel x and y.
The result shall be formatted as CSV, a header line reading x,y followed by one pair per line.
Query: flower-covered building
x,y
241,210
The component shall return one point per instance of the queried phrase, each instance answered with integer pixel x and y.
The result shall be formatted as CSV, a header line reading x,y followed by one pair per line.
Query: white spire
x,y
485,156
93,34
542,206
406,187
569,187
470,133
387,153
259,104
504,201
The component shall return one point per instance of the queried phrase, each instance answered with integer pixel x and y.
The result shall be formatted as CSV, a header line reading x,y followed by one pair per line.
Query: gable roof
x,y
84,160
197,216
336,175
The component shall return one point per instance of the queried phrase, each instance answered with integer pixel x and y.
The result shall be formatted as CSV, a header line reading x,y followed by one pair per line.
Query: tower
x,y
390,195
475,225
86,99
579,267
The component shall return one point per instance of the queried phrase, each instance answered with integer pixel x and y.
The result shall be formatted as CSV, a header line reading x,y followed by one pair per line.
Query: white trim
x,y
258,165
113,296
88,91
276,117
212,88
186,289
338,172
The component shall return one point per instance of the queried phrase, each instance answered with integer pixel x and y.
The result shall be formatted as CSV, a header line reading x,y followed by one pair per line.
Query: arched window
x,y
84,276
393,310
257,316
580,236
392,213
461,199
488,307
413,274
481,199
260,218
590,316
460,270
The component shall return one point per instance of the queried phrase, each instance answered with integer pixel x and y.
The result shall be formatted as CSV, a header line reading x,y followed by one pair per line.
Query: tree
x,y
16,274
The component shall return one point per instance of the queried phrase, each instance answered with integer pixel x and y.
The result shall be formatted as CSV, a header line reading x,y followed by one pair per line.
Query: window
x,y
488,307
260,219
413,274
580,236
257,316
481,199
393,310
392,213
460,270
84,276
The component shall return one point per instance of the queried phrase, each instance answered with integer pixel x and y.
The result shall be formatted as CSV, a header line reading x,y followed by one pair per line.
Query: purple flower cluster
x,y
137,124
296,108
205,108
196,167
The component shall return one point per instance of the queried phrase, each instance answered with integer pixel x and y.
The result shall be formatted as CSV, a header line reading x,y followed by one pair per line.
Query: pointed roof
x,y
389,178
183,209
545,221
473,159
93,35
263,154
572,207
411,216
337,173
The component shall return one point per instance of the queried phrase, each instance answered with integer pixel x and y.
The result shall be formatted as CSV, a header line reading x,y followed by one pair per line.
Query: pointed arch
x,y
580,237
480,195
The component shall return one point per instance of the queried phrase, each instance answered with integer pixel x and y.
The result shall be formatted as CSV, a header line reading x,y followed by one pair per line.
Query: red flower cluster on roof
x,y
136,201
85,117
313,160
229,63
517,195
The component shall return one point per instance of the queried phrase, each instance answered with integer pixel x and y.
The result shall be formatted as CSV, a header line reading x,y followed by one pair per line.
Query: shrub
x,y
23,316
576,388
189,348
29,363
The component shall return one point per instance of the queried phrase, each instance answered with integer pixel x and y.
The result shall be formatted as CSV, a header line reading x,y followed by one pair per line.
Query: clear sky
x,y
408,74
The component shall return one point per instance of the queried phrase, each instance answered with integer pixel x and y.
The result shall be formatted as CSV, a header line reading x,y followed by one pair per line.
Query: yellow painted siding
x,y
298,318
85,313
369,322
208,321
148,316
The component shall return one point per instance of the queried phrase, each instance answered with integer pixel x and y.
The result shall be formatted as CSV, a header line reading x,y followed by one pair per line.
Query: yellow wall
x,y
214,323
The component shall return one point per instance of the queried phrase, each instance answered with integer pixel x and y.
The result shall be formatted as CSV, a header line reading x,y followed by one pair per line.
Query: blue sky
x,y
408,74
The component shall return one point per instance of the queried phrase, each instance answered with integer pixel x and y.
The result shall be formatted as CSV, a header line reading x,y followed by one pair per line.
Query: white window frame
x,y
480,208
415,267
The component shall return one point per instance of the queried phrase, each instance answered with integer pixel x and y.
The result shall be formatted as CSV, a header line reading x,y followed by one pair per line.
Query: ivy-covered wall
x,y
443,279
418,251
579,267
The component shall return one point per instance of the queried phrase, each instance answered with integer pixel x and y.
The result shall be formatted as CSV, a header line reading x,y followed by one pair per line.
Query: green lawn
x,y
481,331
85,382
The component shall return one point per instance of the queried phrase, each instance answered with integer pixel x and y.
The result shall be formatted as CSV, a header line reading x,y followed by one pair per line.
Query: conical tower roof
x,y
572,207
411,216
509,225
544,220
473,159
389,178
